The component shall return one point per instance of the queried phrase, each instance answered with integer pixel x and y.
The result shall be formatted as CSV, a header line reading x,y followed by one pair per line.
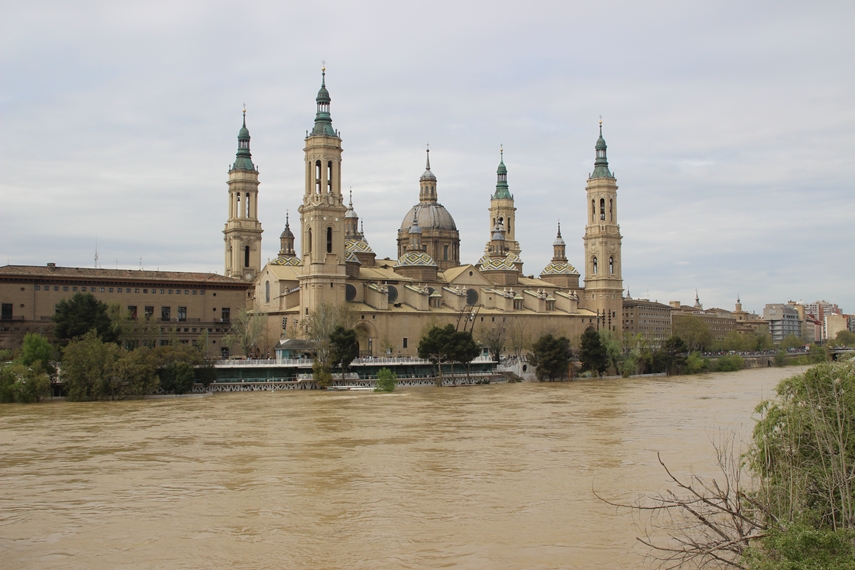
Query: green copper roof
x,y
243,159
323,120
502,192
601,164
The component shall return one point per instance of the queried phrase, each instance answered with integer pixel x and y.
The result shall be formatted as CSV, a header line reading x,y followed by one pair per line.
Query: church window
x,y
310,240
329,176
329,240
602,208
317,177
595,265
246,256
445,253
509,226
267,291
593,211
237,206
248,209
611,210
611,266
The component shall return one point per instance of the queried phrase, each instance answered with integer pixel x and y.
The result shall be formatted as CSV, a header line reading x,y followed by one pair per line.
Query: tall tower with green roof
x,y
322,214
603,281
502,210
242,233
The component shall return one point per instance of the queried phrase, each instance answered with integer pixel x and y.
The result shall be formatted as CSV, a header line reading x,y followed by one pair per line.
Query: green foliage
x,y
791,341
729,363
437,346
386,380
780,358
696,363
177,377
494,338
133,374
463,349
592,354
87,366
671,357
81,313
552,357
206,374
844,338
22,384
693,331
614,349
802,547
817,354
804,449
5,355
36,348
321,374
344,347
734,341
245,330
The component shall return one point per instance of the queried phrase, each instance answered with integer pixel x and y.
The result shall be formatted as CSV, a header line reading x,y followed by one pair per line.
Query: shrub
x,y
386,380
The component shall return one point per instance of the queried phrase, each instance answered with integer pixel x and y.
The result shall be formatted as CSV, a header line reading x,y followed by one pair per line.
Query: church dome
x,y
432,216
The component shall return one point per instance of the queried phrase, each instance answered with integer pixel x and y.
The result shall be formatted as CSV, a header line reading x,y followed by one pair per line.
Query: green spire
x,y
601,164
502,192
323,121
243,159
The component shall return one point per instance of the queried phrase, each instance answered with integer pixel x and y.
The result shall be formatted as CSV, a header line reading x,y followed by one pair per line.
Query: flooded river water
x,y
497,476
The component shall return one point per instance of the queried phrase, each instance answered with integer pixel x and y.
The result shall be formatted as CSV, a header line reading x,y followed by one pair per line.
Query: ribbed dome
x,y
431,216
286,233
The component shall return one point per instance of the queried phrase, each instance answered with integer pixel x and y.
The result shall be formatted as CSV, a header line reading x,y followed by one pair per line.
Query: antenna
x,y
96,251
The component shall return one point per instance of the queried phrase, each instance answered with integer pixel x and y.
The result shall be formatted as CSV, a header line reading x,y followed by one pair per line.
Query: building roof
x,y
431,216
57,272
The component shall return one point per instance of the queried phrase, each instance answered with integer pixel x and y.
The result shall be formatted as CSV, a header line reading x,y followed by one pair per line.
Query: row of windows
x,y
166,313
119,290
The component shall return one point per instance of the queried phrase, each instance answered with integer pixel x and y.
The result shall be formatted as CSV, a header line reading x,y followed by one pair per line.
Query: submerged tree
x,y
245,331
80,314
552,357
344,348
592,354
437,346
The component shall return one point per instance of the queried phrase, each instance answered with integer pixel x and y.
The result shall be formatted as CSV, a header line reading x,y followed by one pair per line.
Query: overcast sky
x,y
730,125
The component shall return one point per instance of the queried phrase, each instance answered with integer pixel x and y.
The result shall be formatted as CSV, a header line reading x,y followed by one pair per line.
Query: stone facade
x,y
648,318
182,305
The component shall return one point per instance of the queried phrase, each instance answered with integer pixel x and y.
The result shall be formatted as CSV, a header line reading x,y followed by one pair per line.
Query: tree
x,y
87,366
592,353
133,374
436,346
552,357
735,341
844,338
672,357
519,337
318,327
344,347
80,314
245,331
177,377
386,380
463,349
614,349
38,353
694,332
494,338
792,341
22,384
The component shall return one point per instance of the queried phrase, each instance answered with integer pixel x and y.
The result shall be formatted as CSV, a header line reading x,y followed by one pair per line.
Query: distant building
x,y
649,318
719,321
833,324
183,305
783,321
812,329
748,323
820,309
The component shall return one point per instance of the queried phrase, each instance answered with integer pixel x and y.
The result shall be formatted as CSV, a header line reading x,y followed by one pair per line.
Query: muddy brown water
x,y
497,476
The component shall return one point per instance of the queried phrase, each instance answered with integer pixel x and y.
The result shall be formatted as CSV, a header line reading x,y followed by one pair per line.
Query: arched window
x,y
317,177
310,240
267,291
329,240
593,211
595,264
246,256
509,225
248,209
611,265
611,210
602,208
238,213
329,176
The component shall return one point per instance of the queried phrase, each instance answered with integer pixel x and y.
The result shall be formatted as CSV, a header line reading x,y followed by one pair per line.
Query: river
x,y
497,476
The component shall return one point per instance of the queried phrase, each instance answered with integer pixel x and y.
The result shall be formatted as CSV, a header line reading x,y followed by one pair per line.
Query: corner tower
x,y
502,210
322,214
243,230
603,281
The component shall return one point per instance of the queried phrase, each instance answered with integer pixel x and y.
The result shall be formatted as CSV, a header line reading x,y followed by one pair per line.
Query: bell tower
x,y
502,209
243,230
322,214
603,281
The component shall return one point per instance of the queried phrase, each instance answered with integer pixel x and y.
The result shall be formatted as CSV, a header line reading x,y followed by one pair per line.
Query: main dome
x,y
432,216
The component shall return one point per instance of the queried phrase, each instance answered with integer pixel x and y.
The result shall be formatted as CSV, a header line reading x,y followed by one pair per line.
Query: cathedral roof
x,y
432,216
357,246
415,258
487,263
559,268
428,175
243,158
502,192
601,164
288,261
323,120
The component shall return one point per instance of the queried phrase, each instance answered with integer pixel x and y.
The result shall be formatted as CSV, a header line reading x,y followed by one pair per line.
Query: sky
x,y
730,130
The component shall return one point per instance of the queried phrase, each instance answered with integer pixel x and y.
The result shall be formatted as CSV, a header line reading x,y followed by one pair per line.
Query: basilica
x,y
394,300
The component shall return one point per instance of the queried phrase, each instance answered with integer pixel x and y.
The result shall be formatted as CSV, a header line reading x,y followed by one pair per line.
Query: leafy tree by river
x,y
552,357
80,314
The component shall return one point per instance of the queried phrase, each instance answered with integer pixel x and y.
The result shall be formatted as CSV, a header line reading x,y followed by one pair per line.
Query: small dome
x,y
350,213
428,175
432,216
559,241
286,233
323,94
